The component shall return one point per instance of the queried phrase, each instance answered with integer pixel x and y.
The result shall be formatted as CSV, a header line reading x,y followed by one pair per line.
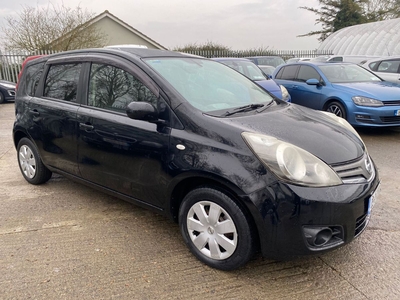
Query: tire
x,y
1,98
30,163
201,215
336,108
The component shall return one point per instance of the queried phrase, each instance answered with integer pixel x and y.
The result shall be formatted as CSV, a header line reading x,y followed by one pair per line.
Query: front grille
x,y
391,103
392,119
357,171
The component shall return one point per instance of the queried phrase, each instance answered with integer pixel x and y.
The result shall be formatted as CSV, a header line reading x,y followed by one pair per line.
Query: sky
x,y
237,24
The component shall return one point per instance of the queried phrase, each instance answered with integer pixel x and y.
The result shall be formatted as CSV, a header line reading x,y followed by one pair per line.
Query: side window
x,y
338,58
389,66
113,88
62,82
307,72
33,74
288,73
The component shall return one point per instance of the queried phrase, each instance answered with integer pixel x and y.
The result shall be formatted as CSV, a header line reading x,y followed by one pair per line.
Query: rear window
x,y
62,82
287,73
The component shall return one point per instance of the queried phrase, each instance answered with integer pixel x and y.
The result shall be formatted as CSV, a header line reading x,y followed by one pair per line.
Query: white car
x,y
388,68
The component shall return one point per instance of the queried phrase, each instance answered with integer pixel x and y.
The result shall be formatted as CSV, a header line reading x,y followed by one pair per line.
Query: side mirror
x,y
142,111
313,81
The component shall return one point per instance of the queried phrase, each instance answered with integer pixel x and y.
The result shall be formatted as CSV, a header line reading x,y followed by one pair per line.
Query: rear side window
x,y
62,82
32,77
113,88
307,72
287,73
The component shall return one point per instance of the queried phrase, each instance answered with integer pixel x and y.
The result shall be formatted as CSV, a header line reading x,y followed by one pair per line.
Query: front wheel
x,y
30,163
1,98
336,108
216,229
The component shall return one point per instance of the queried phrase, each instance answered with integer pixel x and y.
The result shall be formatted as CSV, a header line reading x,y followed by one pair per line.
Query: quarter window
x,y
113,88
33,74
62,82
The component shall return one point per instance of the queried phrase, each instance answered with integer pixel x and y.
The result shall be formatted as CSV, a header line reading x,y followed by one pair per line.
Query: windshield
x,y
247,68
270,60
208,85
339,73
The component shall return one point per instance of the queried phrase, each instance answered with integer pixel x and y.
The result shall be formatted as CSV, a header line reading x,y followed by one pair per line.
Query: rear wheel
x,y
30,163
216,229
336,108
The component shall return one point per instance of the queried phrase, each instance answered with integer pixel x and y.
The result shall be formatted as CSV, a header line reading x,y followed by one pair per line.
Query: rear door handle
x,y
34,112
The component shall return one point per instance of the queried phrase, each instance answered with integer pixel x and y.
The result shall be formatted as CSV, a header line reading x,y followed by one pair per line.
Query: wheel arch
x,y
189,183
335,99
18,135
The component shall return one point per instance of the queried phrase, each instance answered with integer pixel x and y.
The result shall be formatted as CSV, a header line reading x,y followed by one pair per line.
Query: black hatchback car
x,y
240,170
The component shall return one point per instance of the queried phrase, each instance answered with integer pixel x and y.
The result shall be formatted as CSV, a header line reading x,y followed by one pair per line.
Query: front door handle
x,y
86,127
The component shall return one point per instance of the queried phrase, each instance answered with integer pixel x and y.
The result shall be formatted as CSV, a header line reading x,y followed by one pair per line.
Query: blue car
x,y
7,91
250,70
347,90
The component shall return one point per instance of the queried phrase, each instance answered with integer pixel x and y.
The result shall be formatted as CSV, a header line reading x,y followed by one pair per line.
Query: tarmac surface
x,y
63,240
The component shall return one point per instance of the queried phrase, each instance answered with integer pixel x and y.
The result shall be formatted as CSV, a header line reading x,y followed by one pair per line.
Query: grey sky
x,y
238,24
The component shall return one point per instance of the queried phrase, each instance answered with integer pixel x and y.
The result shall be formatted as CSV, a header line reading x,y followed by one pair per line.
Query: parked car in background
x,y
296,59
347,90
267,70
7,91
356,59
250,70
240,170
388,68
267,60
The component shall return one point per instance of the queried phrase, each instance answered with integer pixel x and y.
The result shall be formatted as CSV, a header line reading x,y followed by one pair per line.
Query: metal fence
x,y
285,54
10,62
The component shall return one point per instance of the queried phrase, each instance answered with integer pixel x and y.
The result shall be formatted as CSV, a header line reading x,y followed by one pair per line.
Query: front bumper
x,y
388,115
287,216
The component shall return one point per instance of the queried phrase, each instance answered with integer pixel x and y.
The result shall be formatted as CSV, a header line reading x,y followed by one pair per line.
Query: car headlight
x,y
364,101
285,94
291,163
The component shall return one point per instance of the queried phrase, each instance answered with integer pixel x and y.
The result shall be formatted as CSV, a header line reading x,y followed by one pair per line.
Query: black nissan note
x,y
240,170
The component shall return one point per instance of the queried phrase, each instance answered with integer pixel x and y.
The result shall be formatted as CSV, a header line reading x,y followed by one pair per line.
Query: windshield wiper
x,y
242,109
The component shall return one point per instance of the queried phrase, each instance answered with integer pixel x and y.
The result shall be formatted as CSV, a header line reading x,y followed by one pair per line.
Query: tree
x,y
51,28
337,14
379,10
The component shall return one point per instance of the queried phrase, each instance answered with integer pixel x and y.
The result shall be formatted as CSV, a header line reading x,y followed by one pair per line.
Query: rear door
x,y
116,152
53,111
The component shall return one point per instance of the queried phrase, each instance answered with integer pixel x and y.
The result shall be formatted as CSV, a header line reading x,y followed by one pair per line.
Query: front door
x,y
116,152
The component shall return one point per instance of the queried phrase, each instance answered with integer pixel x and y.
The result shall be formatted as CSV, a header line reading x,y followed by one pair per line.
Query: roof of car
x,y
382,58
231,58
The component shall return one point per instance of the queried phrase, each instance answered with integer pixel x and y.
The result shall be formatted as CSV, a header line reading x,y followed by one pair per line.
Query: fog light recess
x,y
323,237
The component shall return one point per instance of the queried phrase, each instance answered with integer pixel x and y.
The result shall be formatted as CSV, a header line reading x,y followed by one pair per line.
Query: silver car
x,y
388,68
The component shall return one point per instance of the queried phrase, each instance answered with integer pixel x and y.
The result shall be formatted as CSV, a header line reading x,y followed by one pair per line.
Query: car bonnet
x,y
308,129
383,90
